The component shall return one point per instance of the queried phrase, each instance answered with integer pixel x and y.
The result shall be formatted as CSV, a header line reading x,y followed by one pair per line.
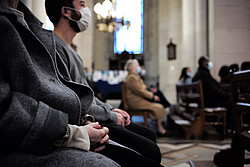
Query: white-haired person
x,y
138,97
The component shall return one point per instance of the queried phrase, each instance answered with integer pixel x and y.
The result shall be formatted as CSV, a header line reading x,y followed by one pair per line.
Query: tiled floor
x,y
179,154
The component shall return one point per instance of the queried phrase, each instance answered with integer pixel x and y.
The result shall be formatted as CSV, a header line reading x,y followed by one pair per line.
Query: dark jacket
x,y
211,88
35,106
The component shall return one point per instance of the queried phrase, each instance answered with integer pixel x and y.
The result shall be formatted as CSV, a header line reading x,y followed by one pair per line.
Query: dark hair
x,y
184,73
224,71
53,8
202,60
245,66
234,67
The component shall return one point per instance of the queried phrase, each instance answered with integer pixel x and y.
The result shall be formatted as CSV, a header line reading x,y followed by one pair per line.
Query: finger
x,y
100,148
105,130
123,120
96,125
127,116
105,139
128,122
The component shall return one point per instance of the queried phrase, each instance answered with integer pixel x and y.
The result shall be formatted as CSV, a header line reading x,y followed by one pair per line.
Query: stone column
x,y
170,27
201,31
188,34
150,40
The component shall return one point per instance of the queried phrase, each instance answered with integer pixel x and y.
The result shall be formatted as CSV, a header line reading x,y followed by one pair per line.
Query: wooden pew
x,y
192,115
191,108
234,156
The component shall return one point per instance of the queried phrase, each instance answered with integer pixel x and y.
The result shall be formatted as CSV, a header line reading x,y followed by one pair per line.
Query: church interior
x,y
166,36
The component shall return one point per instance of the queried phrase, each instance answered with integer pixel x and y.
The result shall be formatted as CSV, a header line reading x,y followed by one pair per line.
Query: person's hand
x,y
125,115
156,98
98,136
120,119
153,89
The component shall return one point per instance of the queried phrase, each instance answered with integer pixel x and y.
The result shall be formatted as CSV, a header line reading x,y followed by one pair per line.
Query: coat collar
x,y
131,72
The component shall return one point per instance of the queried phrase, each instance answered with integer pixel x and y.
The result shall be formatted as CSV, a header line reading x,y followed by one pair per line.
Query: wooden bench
x,y
188,116
143,113
192,115
235,155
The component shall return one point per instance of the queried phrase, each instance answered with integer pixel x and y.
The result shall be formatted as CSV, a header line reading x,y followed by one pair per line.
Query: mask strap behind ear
x,y
70,9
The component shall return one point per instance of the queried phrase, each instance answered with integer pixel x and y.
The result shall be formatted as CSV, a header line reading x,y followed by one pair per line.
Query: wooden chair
x,y
191,106
191,101
235,155
218,114
143,113
227,88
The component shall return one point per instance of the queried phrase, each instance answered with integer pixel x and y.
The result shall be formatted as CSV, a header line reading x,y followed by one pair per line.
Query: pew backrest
x,y
240,82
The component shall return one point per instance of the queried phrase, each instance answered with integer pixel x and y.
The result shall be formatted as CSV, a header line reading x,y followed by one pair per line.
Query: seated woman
x,y
138,96
224,74
185,77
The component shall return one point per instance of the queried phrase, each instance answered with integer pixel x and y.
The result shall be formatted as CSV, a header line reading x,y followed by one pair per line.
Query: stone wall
x,y
231,32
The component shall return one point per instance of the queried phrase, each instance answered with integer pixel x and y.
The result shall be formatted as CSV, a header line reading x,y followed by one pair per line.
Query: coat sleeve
x,y
102,111
133,83
26,124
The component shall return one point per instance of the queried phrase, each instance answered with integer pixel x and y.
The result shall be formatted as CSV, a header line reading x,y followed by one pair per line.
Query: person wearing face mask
x,y
214,96
138,97
142,72
185,77
69,18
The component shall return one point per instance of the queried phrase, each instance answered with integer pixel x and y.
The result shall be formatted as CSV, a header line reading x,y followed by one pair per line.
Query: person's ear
x,y
65,12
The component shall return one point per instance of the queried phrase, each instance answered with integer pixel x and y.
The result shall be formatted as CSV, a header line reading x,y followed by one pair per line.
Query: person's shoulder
x,y
181,82
6,28
129,77
4,22
132,75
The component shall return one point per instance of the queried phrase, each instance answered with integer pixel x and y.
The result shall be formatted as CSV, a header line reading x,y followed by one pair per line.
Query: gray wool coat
x,y
35,104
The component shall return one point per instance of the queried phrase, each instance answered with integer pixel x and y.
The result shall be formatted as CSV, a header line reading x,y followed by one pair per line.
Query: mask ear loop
x,y
65,10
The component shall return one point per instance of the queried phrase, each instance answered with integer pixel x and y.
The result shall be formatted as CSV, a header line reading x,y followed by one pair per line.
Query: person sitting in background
x,y
185,77
162,98
224,75
245,66
143,72
234,67
121,130
214,96
138,96
42,122
155,90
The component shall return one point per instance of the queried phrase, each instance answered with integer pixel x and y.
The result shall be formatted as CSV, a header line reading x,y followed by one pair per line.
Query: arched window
x,y
131,39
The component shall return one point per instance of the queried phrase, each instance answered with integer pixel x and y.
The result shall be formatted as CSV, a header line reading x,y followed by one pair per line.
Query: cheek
x,y
76,15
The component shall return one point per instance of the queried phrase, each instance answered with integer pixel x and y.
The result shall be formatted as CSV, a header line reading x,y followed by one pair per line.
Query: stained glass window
x,y
129,39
